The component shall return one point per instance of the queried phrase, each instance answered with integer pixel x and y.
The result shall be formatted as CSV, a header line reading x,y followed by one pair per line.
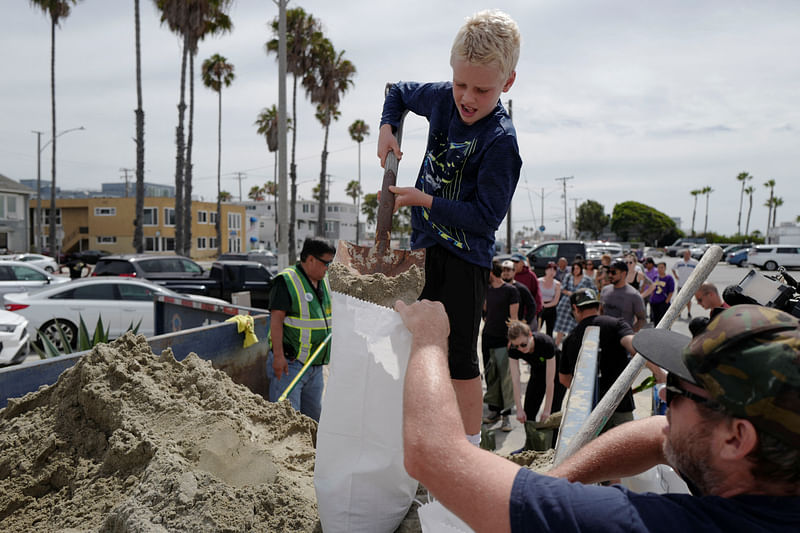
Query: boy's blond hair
x,y
488,37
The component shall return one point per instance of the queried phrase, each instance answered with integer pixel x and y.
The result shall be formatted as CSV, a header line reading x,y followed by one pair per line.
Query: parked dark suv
x,y
147,266
551,251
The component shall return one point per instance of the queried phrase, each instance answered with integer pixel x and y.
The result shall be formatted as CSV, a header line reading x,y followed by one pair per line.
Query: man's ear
x,y
510,81
739,438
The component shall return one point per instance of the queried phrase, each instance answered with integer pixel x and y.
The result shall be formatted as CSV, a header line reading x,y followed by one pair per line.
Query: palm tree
x,y
707,191
256,193
225,196
218,73
353,190
695,193
326,83
749,190
56,10
138,234
776,203
744,177
302,31
271,188
358,130
769,184
192,21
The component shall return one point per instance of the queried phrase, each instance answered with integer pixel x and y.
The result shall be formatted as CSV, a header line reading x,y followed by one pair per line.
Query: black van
x,y
551,251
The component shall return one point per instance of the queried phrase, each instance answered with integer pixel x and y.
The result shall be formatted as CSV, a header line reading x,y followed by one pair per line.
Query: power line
x,y
126,170
240,176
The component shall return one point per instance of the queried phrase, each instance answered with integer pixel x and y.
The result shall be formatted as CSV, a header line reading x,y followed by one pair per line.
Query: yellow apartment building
x,y
108,224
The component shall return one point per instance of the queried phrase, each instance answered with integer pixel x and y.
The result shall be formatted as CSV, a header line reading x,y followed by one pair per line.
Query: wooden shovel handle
x,y
383,230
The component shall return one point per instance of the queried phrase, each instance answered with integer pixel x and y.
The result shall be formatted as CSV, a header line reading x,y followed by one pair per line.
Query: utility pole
x,y
564,184
240,176
283,185
509,232
38,226
575,215
125,177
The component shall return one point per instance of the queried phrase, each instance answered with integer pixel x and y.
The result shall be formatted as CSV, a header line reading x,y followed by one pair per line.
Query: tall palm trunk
x,y
694,212
138,236
705,226
180,150
187,179
749,210
323,189
219,170
275,199
769,215
739,220
52,228
358,201
293,178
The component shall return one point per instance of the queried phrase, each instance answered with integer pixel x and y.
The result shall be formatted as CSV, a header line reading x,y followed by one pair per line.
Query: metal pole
x,y
509,231
564,184
38,213
283,185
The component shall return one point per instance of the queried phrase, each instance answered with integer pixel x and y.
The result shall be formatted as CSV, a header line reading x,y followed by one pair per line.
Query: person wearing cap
x,y
527,304
660,292
620,299
525,275
732,427
614,351
502,304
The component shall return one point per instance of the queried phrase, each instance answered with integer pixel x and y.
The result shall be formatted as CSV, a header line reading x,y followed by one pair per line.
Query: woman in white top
x,y
550,290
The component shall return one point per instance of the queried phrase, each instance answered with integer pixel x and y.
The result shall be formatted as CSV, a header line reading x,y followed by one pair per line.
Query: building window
x,y
150,244
168,243
201,243
212,217
234,245
234,221
106,240
105,211
169,216
47,216
202,217
150,216
212,242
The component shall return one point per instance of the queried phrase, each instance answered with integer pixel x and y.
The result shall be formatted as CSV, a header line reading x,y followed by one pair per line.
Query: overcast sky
x,y
637,100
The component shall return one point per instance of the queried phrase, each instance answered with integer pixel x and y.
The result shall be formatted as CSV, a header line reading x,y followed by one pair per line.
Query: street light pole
x,y
39,150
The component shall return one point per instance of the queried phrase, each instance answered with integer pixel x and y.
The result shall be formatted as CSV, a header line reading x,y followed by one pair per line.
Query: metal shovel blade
x,y
372,260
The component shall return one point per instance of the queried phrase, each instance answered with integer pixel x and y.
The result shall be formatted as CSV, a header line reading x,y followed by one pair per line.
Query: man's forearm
x,y
624,451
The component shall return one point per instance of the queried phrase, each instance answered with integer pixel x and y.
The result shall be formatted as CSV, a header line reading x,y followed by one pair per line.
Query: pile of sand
x,y
130,441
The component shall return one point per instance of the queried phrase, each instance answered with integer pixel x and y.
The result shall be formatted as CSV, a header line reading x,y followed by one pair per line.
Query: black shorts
x,y
461,287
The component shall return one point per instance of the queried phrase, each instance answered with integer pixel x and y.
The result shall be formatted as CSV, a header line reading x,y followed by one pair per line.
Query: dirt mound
x,y
130,441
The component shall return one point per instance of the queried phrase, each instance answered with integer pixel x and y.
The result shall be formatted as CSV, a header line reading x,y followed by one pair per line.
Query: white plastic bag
x,y
359,477
436,518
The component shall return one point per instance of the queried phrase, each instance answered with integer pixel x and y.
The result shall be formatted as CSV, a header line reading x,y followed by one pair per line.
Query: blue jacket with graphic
x,y
470,170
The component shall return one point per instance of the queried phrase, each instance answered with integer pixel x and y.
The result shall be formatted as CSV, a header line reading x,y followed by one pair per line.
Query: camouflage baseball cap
x,y
582,297
747,359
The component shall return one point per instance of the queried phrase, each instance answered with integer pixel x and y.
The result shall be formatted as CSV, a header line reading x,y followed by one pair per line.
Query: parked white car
x,y
45,262
14,338
771,256
119,302
16,276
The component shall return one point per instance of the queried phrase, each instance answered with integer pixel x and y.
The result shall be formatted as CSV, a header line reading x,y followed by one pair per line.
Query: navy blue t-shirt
x,y
470,170
540,503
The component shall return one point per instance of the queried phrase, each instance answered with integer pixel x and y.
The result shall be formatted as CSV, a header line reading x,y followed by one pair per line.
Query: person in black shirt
x,y
538,350
502,304
527,303
614,351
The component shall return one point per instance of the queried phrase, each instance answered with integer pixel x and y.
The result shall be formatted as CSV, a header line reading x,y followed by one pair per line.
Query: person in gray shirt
x,y
620,300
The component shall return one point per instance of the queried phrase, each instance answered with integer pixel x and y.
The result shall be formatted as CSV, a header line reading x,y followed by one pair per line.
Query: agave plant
x,y
85,342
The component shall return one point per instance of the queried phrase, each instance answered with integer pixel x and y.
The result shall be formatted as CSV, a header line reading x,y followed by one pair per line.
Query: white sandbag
x,y
359,477
436,518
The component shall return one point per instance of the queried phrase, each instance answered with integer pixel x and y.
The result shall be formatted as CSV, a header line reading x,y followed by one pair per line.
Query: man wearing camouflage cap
x,y
732,429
